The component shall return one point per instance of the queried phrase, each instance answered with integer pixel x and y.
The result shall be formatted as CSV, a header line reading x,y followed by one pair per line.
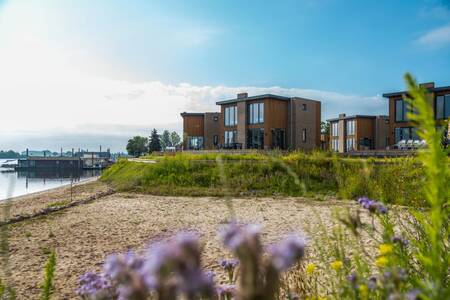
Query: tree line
x,y
140,145
9,154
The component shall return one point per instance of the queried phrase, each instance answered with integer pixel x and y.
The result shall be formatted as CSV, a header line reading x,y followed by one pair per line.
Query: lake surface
x,y
25,182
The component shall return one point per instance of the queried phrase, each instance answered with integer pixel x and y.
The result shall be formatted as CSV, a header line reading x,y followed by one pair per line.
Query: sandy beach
x,y
84,235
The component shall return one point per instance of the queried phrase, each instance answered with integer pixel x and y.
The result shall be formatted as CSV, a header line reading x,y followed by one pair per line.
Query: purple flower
x,y
177,264
228,264
353,279
226,290
210,275
286,253
400,240
235,236
195,282
397,275
372,283
119,266
127,271
413,295
372,206
95,286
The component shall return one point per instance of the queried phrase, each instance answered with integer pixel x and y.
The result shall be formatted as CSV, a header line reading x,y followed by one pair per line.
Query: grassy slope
x,y
296,174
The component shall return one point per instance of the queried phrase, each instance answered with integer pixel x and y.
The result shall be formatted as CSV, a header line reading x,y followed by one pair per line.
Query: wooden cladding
x,y
193,125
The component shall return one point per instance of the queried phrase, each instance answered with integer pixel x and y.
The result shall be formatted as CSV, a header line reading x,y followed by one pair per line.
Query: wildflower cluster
x,y
173,269
372,206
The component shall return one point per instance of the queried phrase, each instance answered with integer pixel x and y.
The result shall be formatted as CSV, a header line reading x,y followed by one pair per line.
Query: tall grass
x,y
297,174
49,276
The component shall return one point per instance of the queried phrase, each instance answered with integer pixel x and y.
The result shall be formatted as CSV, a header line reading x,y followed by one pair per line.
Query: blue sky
x,y
361,47
143,62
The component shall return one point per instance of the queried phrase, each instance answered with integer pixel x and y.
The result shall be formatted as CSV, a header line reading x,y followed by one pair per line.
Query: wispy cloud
x,y
113,110
435,38
69,97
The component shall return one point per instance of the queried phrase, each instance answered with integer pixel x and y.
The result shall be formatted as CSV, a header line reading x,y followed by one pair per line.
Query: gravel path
x,y
84,235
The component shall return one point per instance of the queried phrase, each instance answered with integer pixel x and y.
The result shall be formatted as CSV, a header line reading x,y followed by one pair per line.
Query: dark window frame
x,y
406,108
445,107
258,117
227,135
232,109
255,134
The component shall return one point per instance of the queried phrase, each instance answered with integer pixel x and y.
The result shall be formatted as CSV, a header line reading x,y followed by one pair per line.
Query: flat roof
x,y
353,117
191,114
198,114
265,96
305,99
435,89
51,158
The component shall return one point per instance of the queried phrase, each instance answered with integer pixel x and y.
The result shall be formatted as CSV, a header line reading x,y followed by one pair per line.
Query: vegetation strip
x,y
318,175
53,209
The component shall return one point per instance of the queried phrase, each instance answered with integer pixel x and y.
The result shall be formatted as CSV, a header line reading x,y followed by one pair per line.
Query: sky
x,y
87,73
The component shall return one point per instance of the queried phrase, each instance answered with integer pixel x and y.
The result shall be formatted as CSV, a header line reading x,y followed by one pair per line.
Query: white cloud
x,y
57,91
436,38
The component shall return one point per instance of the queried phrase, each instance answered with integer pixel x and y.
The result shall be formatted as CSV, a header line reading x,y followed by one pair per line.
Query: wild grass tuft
x,y
49,276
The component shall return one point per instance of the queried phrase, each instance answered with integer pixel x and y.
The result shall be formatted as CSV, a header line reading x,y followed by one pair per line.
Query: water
x,y
26,182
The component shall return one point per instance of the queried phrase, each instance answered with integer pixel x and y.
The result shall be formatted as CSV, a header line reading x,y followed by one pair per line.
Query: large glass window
x,y
351,125
335,129
442,107
350,144
401,110
256,113
230,137
335,145
406,133
231,116
255,138
195,142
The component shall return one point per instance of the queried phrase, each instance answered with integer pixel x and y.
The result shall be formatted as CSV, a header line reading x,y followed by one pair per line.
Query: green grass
x,y
49,277
256,174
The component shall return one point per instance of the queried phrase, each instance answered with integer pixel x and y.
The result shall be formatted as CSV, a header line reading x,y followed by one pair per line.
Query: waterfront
x,y
13,184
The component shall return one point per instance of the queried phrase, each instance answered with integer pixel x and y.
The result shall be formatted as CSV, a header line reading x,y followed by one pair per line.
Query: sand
x,y
84,235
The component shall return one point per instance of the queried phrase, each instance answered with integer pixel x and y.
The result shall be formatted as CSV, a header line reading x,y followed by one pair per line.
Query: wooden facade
x,y
394,124
193,126
272,132
369,133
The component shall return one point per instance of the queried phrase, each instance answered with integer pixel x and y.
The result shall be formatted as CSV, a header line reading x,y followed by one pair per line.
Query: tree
x,y
9,154
324,127
175,138
155,142
137,146
166,140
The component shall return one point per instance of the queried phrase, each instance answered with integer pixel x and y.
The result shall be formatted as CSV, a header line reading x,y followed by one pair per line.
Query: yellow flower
x,y
336,265
310,268
363,291
386,249
382,261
